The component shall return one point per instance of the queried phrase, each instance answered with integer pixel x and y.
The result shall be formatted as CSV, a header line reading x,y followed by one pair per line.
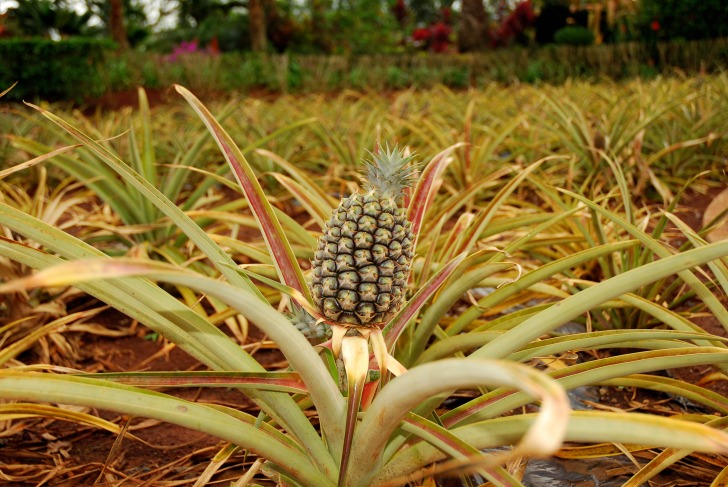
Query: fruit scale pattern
x,y
362,263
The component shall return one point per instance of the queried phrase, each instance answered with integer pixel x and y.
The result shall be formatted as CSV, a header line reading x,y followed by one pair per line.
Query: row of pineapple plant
x,y
662,131
510,336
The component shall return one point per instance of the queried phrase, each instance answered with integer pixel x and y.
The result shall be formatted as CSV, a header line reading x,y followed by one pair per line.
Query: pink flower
x,y
183,49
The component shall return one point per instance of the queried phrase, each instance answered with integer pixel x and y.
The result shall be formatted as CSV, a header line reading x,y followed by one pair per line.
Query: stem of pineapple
x,y
355,352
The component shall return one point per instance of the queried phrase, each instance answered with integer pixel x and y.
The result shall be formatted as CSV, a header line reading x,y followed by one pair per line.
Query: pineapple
x,y
362,264
311,328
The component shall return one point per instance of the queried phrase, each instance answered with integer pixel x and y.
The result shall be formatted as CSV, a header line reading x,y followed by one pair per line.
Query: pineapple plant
x,y
311,327
362,263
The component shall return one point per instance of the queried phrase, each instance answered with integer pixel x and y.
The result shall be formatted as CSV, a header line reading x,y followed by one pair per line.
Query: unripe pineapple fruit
x,y
362,264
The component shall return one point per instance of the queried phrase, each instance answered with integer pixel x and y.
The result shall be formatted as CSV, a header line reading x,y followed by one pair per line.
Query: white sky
x,y
6,4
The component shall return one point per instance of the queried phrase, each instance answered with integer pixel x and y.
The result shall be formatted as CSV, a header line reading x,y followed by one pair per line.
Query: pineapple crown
x,y
389,172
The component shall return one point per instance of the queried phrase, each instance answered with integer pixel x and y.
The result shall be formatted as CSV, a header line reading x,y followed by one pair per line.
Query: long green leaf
x,y
583,427
405,392
195,233
540,274
701,289
449,294
718,267
289,382
97,177
273,233
157,309
31,386
572,307
293,344
500,401
667,385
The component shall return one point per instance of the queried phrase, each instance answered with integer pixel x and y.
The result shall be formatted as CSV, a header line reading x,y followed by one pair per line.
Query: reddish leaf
x,y
275,238
289,382
395,328
427,186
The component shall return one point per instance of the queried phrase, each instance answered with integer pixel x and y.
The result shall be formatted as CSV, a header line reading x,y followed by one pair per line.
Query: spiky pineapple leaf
x,y
275,237
427,186
389,172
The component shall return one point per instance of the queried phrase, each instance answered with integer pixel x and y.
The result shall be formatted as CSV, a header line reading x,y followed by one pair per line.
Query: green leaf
x,y
293,344
32,386
289,382
405,392
157,309
583,427
499,401
275,238
531,278
653,245
195,233
585,300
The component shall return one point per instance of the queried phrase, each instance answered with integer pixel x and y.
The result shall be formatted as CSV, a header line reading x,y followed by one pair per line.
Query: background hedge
x,y
52,70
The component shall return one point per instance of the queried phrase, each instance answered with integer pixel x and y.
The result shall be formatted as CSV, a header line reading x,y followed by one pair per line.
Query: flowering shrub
x,y
435,37
514,25
188,48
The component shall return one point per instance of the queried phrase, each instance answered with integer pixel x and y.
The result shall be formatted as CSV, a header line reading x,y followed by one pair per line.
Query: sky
x,y
6,4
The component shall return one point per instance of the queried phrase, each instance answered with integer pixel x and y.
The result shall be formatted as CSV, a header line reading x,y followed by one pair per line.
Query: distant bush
x,y
209,74
52,70
685,19
574,36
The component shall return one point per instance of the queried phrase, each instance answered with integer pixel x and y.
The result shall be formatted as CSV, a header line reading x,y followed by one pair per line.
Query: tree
x,y
318,26
195,12
473,29
44,18
125,21
117,28
256,22
225,22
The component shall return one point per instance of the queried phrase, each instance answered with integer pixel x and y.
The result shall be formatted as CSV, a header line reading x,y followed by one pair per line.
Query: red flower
x,y
441,32
655,25
214,46
421,34
435,38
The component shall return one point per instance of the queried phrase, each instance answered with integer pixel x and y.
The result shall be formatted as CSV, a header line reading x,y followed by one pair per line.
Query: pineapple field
x,y
515,285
